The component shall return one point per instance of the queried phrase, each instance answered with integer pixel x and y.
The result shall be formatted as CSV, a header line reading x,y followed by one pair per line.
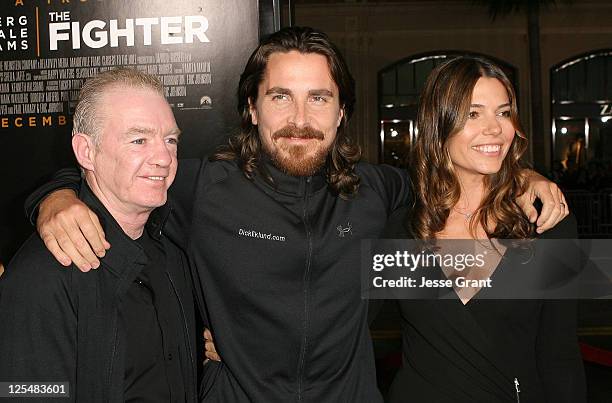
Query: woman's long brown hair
x,y
443,111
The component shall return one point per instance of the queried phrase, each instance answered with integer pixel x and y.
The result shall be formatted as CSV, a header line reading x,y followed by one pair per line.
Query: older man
x,y
126,332
274,223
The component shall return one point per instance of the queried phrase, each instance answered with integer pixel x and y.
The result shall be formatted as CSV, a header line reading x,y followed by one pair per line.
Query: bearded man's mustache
x,y
296,132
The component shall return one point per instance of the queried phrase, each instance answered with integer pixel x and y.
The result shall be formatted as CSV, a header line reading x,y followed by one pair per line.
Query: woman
x,y
466,174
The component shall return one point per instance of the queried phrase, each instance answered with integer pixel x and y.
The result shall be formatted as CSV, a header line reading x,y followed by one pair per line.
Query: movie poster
x,y
48,48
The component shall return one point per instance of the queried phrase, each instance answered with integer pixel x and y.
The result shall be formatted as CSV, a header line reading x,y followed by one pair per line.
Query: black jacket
x,y
456,353
59,324
280,268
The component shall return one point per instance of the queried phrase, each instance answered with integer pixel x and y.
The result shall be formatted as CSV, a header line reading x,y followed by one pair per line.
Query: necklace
x,y
467,216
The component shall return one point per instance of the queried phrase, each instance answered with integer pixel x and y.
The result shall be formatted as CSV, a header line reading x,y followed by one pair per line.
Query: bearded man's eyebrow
x,y
321,92
279,90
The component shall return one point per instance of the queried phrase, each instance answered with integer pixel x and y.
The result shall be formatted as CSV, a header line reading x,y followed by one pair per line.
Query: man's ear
x,y
340,116
253,112
84,150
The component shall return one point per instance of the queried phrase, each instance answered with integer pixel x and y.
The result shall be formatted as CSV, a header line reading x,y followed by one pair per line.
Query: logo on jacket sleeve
x,y
346,230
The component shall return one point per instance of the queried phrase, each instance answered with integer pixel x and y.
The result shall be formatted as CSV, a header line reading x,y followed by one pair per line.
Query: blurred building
x,y
391,46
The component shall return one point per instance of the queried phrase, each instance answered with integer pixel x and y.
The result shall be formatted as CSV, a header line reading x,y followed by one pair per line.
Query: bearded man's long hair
x,y
246,148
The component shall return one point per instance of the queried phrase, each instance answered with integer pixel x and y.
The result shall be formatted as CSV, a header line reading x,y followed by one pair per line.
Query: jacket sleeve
x,y
558,356
38,327
68,178
557,353
374,308
397,187
392,185
182,195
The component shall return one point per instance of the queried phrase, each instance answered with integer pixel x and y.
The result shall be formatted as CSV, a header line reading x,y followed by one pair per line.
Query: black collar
x,y
289,184
157,220
124,251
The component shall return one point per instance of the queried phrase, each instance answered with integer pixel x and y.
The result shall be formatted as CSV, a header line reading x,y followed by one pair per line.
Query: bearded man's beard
x,y
294,159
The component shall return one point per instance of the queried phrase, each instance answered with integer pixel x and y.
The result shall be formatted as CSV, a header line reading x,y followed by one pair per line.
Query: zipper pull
x,y
518,390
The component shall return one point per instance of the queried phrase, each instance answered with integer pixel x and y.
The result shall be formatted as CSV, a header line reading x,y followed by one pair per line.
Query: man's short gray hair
x,y
87,119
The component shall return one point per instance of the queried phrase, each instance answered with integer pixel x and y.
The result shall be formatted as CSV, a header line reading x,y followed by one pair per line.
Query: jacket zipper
x,y
305,291
186,331
517,389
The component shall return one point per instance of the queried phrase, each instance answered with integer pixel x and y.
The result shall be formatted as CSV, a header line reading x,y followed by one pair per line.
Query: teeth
x,y
156,178
488,148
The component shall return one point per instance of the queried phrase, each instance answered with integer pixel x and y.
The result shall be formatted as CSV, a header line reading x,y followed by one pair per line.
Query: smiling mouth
x,y
488,149
155,178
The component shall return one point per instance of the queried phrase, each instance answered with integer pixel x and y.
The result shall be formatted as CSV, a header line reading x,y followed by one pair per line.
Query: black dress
x,y
489,350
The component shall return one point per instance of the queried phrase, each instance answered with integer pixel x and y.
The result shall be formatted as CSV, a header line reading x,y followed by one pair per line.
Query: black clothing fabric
x,y
280,267
485,350
150,316
59,324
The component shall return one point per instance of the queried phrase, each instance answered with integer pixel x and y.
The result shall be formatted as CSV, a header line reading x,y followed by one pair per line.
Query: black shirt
x,y
476,353
59,324
149,314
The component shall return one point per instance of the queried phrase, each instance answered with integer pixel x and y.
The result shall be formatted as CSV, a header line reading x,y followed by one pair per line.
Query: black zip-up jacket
x,y
59,324
280,270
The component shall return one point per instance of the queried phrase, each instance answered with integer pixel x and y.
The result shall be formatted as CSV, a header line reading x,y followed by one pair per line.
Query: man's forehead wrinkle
x,y
282,70
141,130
